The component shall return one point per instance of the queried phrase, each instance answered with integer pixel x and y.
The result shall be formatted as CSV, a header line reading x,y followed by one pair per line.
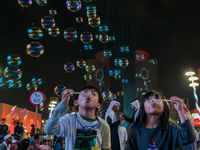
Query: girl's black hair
x,y
164,118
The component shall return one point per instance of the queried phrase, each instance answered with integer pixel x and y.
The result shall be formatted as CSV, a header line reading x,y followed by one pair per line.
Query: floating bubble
x,y
91,14
31,87
124,49
35,33
88,1
70,34
139,89
97,36
120,93
154,61
25,3
107,96
138,75
16,84
73,5
112,72
107,53
59,89
41,2
86,37
88,47
5,83
117,61
90,68
52,12
103,28
117,77
81,63
117,72
47,22
103,38
54,31
94,21
79,19
36,80
69,67
114,96
12,73
124,81
35,49
124,62
87,77
112,38
14,60
91,8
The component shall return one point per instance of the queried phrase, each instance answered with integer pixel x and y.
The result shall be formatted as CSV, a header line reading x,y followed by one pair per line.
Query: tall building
x,y
173,113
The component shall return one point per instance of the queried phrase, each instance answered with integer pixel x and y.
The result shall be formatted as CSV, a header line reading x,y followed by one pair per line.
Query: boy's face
x,y
2,121
88,99
116,108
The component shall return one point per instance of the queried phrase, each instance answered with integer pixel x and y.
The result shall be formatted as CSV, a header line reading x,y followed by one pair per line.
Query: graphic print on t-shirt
x,y
85,139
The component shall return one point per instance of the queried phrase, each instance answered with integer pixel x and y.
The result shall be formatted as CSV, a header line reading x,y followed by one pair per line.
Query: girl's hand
x,y
66,95
178,103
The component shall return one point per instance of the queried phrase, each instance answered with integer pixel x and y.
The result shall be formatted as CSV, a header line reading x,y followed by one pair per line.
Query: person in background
x,y
6,142
13,145
113,119
23,133
45,145
3,130
122,136
33,142
32,131
18,132
24,144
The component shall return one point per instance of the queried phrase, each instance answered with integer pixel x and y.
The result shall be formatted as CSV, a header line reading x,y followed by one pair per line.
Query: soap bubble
x,y
112,72
103,28
91,11
124,81
91,7
97,36
88,1
52,12
59,89
70,34
41,2
118,76
35,33
124,62
31,87
54,31
114,96
107,96
117,72
112,38
120,93
103,38
36,80
47,22
16,84
79,19
90,68
35,49
81,63
139,89
25,3
73,5
5,83
107,53
94,21
138,75
87,77
124,49
13,73
69,67
88,47
117,61
86,37
14,60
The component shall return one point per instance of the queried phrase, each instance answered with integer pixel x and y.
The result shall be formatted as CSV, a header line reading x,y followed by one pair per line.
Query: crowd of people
x,y
149,129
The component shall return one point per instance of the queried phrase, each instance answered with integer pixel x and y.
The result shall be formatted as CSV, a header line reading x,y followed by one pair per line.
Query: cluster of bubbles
x,y
93,19
12,73
59,89
14,112
115,73
73,5
33,85
69,67
107,96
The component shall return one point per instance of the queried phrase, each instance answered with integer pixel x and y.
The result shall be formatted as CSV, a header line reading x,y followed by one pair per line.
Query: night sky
x,y
168,30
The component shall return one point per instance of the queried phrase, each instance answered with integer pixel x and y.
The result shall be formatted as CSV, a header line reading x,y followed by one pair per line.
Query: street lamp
x,y
193,85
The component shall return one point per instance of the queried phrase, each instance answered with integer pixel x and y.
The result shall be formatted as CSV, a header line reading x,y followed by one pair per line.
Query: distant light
x,y
42,121
193,84
50,108
53,102
193,78
189,73
52,105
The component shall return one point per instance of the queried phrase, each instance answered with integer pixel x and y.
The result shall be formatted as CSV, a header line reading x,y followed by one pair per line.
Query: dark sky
x,y
168,30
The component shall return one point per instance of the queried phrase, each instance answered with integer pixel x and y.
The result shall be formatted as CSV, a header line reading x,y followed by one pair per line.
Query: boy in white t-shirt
x,y
82,130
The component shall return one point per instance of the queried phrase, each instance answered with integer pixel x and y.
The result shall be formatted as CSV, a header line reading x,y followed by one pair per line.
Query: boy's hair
x,y
21,123
32,125
36,136
90,88
164,118
17,123
3,119
44,141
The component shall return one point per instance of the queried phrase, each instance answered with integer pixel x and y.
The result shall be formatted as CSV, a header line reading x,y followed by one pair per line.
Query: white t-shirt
x,y
122,136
